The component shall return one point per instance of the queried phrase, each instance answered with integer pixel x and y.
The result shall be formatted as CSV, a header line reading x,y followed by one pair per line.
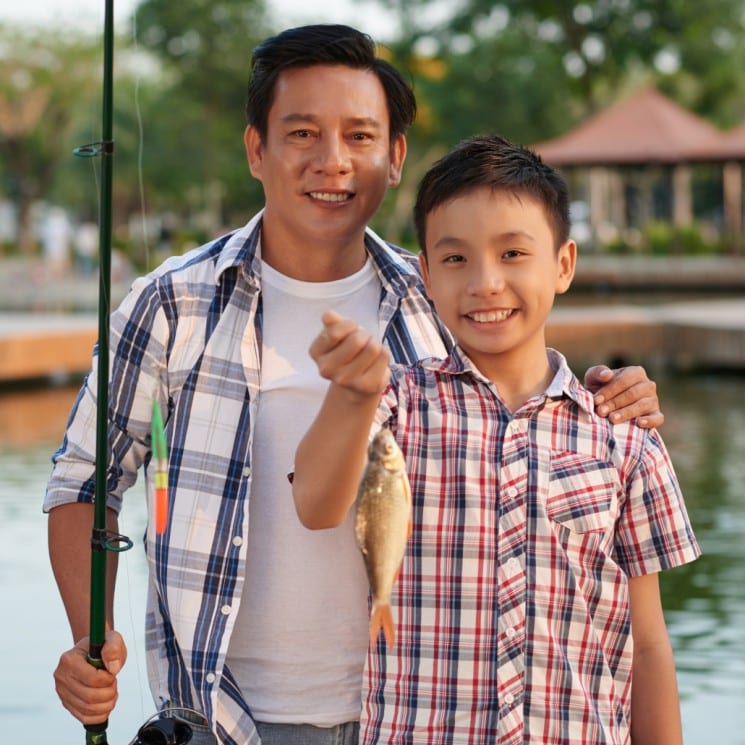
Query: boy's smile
x,y
492,270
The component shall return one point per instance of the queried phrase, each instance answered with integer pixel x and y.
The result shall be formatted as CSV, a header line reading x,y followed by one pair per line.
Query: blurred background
x,y
641,103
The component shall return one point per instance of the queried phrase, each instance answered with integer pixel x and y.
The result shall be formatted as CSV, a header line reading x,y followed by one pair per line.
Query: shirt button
x,y
513,565
246,471
225,610
509,699
510,493
510,632
210,677
237,540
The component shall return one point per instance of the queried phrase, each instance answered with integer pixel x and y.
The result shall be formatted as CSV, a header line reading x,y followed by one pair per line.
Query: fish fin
x,y
388,630
381,619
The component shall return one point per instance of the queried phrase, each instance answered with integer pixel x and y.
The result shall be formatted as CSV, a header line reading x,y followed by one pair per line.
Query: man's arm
x,y
655,707
331,456
623,394
87,693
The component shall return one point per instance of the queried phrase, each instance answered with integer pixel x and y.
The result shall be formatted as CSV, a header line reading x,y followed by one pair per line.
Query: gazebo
x,y
638,134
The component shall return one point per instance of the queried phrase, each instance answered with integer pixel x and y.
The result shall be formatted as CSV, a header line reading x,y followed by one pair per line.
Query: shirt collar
x,y
564,383
396,272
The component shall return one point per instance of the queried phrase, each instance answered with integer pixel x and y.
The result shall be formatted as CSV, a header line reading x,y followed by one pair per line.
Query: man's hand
x,y
88,693
624,394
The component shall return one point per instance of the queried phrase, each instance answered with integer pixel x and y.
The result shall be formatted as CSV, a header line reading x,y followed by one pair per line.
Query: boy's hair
x,y
324,44
493,162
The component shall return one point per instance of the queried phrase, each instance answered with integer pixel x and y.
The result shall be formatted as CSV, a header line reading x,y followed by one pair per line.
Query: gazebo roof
x,y
734,142
645,127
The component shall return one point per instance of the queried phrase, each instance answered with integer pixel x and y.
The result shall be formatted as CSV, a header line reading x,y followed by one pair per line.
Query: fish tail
x,y
381,619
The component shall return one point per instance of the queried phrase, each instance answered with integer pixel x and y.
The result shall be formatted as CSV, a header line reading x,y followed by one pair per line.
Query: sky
x,y
89,14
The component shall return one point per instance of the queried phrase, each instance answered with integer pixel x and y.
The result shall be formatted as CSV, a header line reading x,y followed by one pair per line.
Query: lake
x,y
704,602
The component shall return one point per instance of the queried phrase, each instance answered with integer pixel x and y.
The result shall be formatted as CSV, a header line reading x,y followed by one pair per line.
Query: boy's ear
x,y
566,263
424,269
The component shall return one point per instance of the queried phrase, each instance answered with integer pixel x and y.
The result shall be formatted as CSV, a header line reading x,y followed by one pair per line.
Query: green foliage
x,y
529,69
660,238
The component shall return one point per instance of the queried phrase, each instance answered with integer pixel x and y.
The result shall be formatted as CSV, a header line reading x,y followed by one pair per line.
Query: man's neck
x,y
309,261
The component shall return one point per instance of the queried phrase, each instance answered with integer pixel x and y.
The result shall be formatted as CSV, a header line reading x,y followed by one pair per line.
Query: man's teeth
x,y
490,316
325,196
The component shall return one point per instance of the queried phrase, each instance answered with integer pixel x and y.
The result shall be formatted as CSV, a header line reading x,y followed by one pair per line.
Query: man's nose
x,y
332,155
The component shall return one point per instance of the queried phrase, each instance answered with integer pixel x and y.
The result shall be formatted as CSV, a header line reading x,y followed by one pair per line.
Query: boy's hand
x,y
624,394
349,357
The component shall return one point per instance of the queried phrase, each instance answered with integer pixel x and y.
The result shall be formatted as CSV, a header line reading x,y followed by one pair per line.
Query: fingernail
x,y
602,410
599,399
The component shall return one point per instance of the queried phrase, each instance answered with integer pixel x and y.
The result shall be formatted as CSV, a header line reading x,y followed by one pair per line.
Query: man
x,y
254,622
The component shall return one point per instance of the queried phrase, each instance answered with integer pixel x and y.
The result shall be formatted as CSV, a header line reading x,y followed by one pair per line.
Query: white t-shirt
x,y
304,606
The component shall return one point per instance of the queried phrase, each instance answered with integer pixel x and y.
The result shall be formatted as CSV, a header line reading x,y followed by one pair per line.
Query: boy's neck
x,y
518,376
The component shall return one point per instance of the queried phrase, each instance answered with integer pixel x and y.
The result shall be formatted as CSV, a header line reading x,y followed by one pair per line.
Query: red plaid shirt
x,y
512,609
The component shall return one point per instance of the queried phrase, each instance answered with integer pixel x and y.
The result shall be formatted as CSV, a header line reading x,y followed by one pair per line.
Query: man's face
x,y
327,159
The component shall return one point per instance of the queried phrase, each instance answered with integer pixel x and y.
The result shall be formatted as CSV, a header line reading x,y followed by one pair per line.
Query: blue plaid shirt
x,y
189,337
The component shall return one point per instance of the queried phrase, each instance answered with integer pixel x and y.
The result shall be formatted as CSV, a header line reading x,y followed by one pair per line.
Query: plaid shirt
x,y
511,608
189,336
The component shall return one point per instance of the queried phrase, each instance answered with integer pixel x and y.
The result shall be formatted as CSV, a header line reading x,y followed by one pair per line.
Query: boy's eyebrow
x,y
508,235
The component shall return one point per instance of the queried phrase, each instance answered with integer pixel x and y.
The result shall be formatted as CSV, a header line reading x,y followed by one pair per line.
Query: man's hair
x,y
324,44
493,162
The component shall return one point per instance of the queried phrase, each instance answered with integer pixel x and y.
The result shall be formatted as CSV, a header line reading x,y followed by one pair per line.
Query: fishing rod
x,y
167,727
101,542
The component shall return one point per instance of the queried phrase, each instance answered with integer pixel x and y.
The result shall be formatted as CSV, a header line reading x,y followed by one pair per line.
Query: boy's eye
x,y
513,253
453,259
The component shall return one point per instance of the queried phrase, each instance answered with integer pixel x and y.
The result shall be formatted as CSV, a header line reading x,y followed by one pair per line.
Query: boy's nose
x,y
486,281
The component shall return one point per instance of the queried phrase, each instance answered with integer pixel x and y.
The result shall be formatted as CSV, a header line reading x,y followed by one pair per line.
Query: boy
x,y
529,588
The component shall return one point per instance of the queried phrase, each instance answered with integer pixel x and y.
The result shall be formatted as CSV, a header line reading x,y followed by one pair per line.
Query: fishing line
x,y
137,651
140,145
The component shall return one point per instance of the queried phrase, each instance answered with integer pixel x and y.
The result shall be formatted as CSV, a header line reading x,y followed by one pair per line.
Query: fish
x,y
383,526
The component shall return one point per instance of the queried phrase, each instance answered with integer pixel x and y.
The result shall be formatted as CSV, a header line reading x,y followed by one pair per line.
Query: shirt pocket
x,y
582,494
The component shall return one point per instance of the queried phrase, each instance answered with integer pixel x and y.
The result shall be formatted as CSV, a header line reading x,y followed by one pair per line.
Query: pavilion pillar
x,y
732,175
682,199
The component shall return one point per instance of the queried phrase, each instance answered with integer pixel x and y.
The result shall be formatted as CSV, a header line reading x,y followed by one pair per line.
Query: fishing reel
x,y
163,730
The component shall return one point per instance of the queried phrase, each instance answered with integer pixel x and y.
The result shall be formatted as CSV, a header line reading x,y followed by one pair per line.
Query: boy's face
x,y
492,271
328,159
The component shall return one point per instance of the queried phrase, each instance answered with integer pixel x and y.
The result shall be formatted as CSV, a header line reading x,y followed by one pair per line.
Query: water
x,y
704,602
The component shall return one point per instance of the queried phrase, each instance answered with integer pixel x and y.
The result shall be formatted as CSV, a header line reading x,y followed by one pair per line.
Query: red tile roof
x,y
645,127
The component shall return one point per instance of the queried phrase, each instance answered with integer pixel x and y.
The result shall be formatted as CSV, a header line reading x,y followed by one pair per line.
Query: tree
x,y
43,81
197,123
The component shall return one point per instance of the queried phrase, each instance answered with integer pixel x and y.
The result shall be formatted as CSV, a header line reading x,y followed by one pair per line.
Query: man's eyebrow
x,y
355,121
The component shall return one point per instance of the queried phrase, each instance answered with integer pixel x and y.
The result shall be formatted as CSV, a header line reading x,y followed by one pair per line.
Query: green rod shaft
x,y
96,734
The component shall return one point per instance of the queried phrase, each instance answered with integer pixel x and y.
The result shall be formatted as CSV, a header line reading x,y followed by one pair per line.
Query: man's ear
x,y
398,156
254,151
567,263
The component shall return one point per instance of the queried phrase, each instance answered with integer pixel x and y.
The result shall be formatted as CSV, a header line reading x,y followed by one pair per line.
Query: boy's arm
x,y
625,394
331,456
655,707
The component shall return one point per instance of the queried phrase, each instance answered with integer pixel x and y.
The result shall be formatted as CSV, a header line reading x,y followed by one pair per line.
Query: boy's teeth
x,y
490,316
329,197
